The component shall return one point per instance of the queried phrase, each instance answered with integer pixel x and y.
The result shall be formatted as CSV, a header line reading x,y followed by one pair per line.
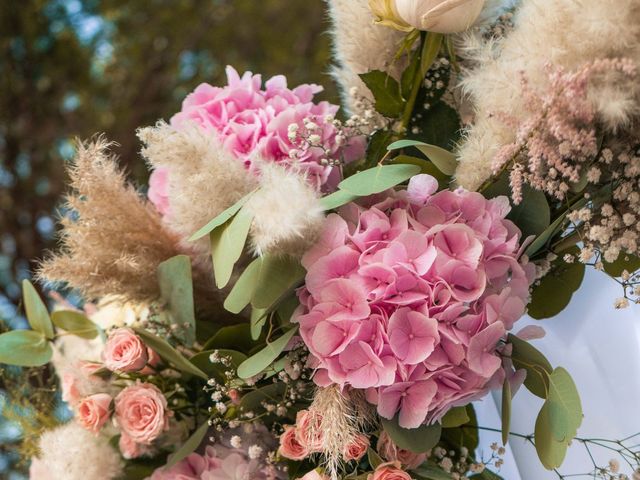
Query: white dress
x,y
600,347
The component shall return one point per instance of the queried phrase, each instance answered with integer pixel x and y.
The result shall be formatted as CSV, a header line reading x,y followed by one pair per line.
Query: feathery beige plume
x,y
287,212
112,240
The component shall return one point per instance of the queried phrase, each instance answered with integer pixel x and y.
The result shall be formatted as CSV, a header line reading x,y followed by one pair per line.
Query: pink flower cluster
x,y
410,297
252,121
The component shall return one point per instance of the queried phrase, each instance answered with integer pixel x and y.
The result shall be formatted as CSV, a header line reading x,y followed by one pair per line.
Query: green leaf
x,y
431,472
625,261
201,360
565,401
270,393
430,50
417,440
75,323
486,474
36,310
189,446
455,417
377,146
386,93
440,125
244,288
441,158
550,451
556,288
276,277
543,239
538,368
258,320
426,166
336,199
26,348
236,337
374,458
409,74
506,411
261,360
176,290
532,215
378,179
220,219
227,244
169,354
463,436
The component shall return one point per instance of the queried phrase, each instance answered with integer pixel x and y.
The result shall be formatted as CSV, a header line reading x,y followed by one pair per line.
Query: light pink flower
x,y
313,475
125,351
356,449
308,431
131,449
391,452
158,192
141,412
408,295
290,446
389,471
94,411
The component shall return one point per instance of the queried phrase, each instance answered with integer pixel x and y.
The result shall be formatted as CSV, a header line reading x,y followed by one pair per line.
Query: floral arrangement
x,y
304,295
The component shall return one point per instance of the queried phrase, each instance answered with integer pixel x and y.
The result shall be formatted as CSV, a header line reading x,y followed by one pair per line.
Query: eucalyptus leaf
x,y
426,167
261,360
374,459
465,435
75,323
176,289
417,440
36,310
257,321
563,393
27,348
189,446
538,368
336,199
377,147
444,160
506,411
244,288
455,417
556,288
386,92
431,472
377,179
236,337
169,354
227,243
440,125
543,239
272,393
276,277
532,215
550,451
486,474
625,261
220,219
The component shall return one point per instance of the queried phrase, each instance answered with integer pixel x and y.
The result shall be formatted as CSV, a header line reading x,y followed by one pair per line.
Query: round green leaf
x,y
417,440
336,199
272,393
378,179
455,417
236,337
444,160
75,323
261,360
276,277
565,405
538,368
26,348
37,313
550,451
176,289
627,262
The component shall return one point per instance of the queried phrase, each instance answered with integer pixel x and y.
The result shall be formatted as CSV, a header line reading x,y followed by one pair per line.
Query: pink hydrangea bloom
x,y
410,296
158,192
252,121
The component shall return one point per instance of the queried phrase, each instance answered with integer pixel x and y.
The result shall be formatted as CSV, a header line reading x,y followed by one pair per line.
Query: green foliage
x,y
440,125
431,472
386,93
444,160
201,361
176,289
455,417
377,146
261,360
373,458
557,287
506,410
277,276
627,262
417,440
236,337
538,368
36,310
221,219
426,166
465,435
227,243
189,446
270,393
75,323
169,354
377,179
26,348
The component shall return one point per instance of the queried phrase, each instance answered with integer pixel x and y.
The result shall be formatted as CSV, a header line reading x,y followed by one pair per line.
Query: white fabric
x,y
600,347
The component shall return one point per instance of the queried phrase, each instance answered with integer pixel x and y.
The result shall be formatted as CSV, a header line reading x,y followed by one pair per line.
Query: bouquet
x,y
303,293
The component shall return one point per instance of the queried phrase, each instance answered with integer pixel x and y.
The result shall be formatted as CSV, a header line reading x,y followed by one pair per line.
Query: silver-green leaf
x,y
36,310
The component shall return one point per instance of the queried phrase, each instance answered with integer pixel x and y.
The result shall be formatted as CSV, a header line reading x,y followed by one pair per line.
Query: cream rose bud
x,y
125,352
93,411
440,16
141,412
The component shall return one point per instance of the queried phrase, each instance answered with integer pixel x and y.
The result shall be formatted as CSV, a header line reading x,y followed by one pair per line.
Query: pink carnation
x,y
410,298
252,121
141,412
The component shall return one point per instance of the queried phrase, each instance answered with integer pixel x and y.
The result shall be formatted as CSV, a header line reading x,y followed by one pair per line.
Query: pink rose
x,y
290,447
125,352
158,192
314,475
389,471
390,452
141,412
308,430
129,448
93,411
356,449
70,391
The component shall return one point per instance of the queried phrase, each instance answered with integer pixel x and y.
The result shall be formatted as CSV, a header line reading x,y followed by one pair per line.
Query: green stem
x,y
430,48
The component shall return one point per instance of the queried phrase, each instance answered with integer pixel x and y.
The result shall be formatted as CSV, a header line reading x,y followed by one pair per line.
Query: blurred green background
x,y
72,68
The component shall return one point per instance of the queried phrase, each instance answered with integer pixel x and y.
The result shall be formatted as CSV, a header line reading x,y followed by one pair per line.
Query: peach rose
x,y
308,430
290,447
93,411
356,449
389,471
313,475
390,452
141,412
125,352
129,448
70,390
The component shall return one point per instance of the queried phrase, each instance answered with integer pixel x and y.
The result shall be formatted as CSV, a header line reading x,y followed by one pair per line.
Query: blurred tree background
x,y
71,68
